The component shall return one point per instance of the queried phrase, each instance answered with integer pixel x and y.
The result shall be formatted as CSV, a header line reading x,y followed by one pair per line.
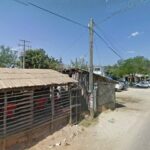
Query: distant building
x,y
104,88
136,77
99,70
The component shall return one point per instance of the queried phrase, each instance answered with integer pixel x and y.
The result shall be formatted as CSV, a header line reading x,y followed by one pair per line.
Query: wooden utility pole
x,y
24,45
91,87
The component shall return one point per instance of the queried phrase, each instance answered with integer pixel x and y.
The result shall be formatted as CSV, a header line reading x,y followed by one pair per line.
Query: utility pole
x,y
91,86
24,45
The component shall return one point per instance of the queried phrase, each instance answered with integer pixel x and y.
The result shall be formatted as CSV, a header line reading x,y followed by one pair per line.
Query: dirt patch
x,y
124,100
133,109
89,122
60,138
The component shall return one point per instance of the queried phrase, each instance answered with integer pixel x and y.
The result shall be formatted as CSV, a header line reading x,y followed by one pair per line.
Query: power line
x,y
53,13
107,44
108,39
75,22
98,55
58,15
20,2
130,5
69,20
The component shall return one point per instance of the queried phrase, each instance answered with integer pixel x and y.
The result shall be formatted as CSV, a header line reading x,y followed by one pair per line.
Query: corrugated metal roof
x,y
14,78
101,78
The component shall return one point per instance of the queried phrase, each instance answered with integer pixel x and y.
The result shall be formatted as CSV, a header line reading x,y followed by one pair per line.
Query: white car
x,y
119,86
143,84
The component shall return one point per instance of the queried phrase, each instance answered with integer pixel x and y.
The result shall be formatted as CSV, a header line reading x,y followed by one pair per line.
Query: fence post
x,y
70,98
80,104
5,121
76,105
95,100
32,107
29,134
52,107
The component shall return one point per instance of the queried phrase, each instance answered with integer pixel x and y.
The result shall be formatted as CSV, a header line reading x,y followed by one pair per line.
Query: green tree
x,y
134,65
8,58
79,63
39,59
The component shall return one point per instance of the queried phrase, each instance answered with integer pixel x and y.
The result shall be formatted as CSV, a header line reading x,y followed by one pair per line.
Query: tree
x,y
134,65
39,59
8,58
79,63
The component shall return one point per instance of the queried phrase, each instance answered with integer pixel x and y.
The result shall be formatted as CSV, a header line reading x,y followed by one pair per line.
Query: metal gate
x,y
75,105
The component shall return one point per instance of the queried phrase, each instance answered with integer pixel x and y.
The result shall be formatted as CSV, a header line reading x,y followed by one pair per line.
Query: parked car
x,y
148,83
119,86
143,84
125,85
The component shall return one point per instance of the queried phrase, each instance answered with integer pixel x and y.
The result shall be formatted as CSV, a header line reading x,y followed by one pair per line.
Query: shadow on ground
x,y
118,105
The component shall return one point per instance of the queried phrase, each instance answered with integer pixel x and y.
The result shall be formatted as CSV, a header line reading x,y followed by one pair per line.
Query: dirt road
x,y
126,128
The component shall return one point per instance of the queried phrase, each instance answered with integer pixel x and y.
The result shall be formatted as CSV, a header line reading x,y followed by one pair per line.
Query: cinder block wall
x,y
105,96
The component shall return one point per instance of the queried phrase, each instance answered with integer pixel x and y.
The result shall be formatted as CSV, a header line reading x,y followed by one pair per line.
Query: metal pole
x,y
91,99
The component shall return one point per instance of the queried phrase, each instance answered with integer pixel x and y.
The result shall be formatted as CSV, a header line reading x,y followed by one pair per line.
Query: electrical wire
x,y
98,54
108,45
58,15
20,2
108,39
53,13
75,22
130,5
69,20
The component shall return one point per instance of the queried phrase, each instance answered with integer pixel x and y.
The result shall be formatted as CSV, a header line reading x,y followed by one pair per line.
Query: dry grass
x,y
88,122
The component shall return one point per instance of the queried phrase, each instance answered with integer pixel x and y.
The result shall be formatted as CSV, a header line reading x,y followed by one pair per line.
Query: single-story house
x,y
104,89
33,104
136,78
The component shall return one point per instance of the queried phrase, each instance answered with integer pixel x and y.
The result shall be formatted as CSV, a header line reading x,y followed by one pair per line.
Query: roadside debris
x,y
68,134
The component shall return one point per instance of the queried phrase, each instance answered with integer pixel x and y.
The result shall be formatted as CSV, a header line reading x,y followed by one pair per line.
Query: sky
x,y
125,25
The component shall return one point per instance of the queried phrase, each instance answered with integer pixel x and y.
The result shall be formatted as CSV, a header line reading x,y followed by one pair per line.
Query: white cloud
x,y
134,34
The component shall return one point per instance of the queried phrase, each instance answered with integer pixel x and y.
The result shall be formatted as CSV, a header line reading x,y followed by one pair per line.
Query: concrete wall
x,y
105,96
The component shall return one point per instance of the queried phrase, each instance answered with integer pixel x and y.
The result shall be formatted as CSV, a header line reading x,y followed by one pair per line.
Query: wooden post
x,y
80,109
52,105
76,90
32,107
32,118
5,121
70,120
91,99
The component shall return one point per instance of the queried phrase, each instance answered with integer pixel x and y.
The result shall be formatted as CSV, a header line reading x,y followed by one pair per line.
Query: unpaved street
x,y
126,128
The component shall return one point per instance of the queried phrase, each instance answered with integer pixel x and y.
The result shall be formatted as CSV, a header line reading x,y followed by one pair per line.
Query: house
x,y
104,89
133,78
99,70
33,104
